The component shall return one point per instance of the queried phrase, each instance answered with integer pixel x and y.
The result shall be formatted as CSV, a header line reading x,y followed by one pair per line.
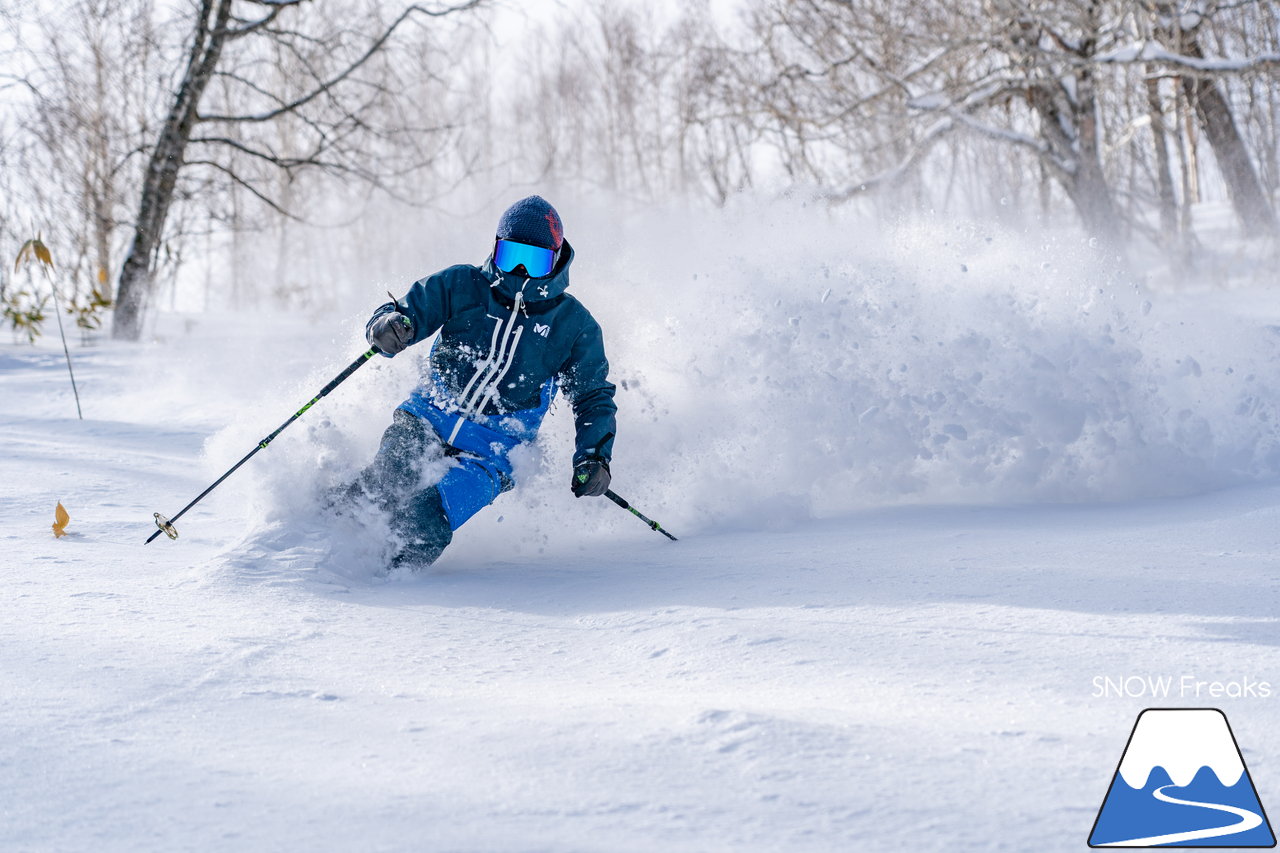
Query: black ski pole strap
x,y
337,380
629,508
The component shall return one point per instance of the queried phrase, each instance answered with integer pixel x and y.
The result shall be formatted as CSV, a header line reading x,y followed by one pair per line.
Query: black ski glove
x,y
390,333
590,478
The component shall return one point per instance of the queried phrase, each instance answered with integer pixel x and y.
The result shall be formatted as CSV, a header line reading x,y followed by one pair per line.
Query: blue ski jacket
x,y
506,343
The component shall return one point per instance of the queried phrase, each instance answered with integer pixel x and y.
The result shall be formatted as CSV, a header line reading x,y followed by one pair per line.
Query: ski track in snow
x,y
911,678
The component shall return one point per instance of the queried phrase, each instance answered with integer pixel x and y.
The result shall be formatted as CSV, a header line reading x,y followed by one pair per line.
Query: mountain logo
x,y
1181,782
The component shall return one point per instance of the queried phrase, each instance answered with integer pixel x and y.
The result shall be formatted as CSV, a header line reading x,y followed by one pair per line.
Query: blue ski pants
x,y
425,516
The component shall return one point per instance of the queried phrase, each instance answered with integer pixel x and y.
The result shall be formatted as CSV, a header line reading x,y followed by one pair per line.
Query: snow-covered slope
x,y
867,638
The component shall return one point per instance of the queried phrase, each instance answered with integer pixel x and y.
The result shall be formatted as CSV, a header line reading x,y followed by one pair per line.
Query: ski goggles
x,y
537,261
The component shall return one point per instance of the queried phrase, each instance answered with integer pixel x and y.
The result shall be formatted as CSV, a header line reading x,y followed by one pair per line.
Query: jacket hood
x,y
532,289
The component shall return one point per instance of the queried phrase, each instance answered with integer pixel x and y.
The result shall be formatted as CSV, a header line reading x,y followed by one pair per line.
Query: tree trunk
x,y
1164,170
1093,194
1214,112
1086,182
1250,203
137,274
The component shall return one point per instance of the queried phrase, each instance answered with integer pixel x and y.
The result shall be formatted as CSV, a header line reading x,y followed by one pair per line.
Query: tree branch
x,y
235,178
324,87
922,147
1208,66
277,6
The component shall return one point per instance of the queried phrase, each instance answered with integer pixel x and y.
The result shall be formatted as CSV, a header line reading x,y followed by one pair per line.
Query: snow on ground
x,y
868,637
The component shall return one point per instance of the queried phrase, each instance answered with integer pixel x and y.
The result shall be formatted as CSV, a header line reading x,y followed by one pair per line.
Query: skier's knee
x,y
395,469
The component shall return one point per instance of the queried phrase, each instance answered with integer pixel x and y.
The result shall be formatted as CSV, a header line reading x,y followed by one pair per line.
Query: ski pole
x,y
165,525
629,508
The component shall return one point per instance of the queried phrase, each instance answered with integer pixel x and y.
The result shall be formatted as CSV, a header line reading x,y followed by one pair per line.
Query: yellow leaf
x,y
42,253
62,518
23,253
102,275
33,248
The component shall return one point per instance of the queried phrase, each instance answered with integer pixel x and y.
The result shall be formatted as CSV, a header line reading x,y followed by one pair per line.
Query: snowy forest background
x,y
248,154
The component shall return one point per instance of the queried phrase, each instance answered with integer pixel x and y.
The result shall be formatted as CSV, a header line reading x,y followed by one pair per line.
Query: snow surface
x,y
928,489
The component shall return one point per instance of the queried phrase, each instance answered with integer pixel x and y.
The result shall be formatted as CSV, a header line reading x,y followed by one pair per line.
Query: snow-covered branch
x,y
923,146
1149,50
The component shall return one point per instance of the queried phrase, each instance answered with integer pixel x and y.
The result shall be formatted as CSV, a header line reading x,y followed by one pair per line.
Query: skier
x,y
509,336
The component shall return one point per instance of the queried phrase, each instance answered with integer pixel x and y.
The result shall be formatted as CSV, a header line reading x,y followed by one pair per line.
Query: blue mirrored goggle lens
x,y
508,255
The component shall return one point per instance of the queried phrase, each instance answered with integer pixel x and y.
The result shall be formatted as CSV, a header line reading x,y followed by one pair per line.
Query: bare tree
x,y
79,81
1199,81
859,95
331,100
886,84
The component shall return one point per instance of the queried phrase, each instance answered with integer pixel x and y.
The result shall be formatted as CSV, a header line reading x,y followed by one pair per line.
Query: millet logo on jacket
x,y
541,329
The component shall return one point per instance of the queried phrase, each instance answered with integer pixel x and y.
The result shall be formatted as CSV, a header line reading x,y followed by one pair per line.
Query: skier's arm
x,y
585,379
427,305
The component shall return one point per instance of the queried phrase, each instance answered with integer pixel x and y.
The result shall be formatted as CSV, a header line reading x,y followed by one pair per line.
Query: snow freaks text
x,y
1178,687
